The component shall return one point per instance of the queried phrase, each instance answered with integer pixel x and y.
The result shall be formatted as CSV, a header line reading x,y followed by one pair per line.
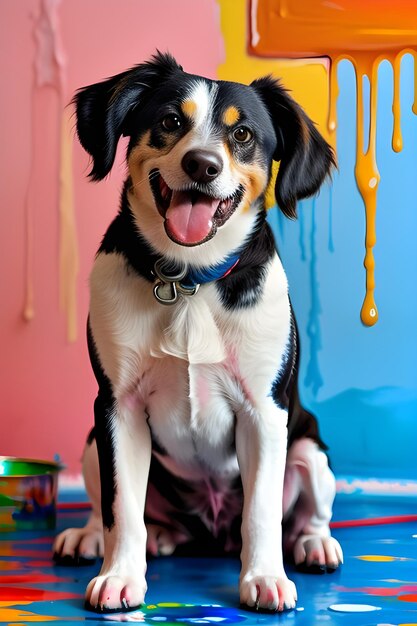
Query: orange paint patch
x,y
16,616
189,108
410,597
231,116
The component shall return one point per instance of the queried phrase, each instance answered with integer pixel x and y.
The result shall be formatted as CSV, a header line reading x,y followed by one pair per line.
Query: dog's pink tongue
x,y
190,222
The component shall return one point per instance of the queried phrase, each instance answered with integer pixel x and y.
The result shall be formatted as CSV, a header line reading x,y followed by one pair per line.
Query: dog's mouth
x,y
191,216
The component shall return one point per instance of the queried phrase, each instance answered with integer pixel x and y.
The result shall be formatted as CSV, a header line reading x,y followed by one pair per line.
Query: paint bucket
x,y
28,492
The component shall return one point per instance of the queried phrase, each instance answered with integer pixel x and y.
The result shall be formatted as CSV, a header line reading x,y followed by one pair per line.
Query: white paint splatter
x,y
353,608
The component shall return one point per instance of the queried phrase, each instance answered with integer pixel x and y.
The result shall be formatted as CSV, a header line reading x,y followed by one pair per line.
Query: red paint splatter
x,y
30,554
34,595
410,597
32,577
37,540
378,591
36,564
8,565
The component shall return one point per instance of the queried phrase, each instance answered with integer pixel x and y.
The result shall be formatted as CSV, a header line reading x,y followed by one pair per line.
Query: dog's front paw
x,y
316,554
271,593
79,546
115,592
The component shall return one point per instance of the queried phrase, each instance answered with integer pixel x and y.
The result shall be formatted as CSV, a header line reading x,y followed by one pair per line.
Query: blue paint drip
x,y
281,221
302,230
313,376
330,244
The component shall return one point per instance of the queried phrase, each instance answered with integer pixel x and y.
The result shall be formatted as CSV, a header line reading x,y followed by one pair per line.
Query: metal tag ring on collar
x,y
169,293
187,291
166,278
168,288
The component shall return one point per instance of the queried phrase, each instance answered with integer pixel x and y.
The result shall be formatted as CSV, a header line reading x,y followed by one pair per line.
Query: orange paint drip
x,y
364,32
397,139
415,83
333,95
367,175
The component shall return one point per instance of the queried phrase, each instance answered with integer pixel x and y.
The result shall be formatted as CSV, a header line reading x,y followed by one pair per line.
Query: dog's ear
x,y
305,157
103,109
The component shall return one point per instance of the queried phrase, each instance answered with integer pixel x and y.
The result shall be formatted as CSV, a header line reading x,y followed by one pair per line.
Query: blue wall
x,y
361,382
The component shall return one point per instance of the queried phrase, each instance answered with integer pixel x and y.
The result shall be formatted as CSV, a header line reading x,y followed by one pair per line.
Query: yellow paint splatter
x,y
378,558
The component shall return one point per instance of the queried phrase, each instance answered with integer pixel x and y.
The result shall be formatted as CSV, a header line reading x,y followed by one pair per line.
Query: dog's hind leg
x,y
80,546
309,491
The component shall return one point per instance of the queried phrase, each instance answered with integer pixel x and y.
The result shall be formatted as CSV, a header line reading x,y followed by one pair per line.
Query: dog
x,y
199,437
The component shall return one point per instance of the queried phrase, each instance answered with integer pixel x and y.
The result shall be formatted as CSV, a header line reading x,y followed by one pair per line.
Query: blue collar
x,y
211,273
171,280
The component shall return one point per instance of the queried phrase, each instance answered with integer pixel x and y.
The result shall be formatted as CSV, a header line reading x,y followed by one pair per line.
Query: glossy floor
x,y
376,586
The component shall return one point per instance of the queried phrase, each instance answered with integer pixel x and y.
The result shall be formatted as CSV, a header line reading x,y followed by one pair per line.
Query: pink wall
x,y
46,387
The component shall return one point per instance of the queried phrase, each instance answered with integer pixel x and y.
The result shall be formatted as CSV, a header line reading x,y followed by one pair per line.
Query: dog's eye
x,y
242,134
171,122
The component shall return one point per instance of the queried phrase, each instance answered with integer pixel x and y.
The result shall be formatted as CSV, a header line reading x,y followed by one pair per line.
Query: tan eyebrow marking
x,y
231,116
189,107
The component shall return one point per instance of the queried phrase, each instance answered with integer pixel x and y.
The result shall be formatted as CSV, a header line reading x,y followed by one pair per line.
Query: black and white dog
x,y
198,427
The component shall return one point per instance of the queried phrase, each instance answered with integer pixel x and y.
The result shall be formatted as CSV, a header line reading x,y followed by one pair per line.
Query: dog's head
x,y
200,151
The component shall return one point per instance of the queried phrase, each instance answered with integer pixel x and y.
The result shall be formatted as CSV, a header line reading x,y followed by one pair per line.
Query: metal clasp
x,y
167,289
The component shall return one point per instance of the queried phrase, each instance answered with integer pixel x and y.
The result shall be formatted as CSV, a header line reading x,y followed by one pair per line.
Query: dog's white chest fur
x,y
190,367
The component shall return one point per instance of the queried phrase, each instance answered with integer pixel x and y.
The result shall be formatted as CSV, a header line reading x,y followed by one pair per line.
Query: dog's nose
x,y
201,165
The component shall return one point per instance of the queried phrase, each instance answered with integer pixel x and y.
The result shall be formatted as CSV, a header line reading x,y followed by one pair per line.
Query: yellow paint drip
x,y
397,139
68,249
333,95
367,176
415,82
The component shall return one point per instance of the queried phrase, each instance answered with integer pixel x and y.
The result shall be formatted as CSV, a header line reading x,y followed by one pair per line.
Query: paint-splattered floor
x,y
376,586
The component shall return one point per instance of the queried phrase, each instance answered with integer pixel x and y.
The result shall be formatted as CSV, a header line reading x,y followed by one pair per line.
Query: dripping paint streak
x,y
302,229
397,139
367,176
313,377
330,242
333,94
